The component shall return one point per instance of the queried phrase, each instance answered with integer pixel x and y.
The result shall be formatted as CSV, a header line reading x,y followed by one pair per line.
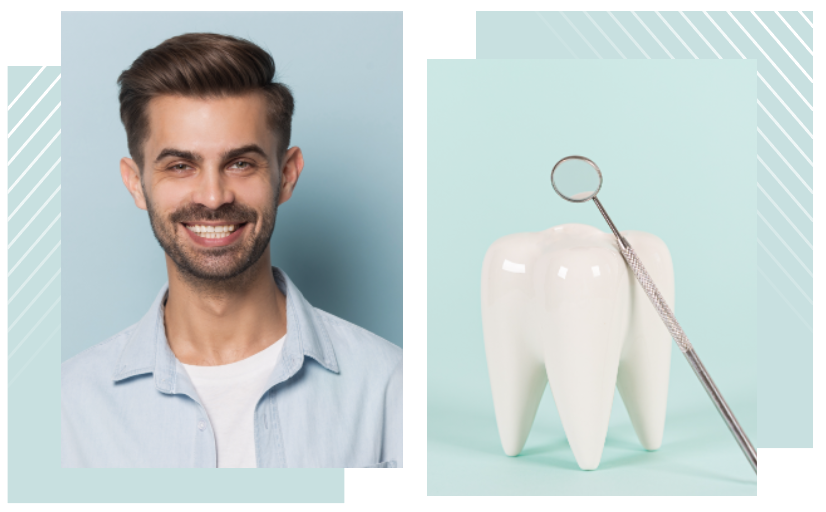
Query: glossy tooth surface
x,y
561,307
212,231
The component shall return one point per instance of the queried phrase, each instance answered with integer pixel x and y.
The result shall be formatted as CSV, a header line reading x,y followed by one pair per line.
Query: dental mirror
x,y
578,179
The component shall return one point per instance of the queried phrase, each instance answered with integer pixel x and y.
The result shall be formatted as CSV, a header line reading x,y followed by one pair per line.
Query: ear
x,y
131,175
290,171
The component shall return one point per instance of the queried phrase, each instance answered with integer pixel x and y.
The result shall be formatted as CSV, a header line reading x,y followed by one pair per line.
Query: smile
x,y
213,231
215,235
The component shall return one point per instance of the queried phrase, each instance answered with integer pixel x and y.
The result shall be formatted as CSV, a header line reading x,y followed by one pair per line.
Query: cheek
x,y
167,197
259,195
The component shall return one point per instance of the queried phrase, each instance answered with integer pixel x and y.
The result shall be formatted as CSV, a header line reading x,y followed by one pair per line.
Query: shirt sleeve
x,y
392,442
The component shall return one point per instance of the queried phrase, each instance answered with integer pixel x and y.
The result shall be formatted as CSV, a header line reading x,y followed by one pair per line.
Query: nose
x,y
212,189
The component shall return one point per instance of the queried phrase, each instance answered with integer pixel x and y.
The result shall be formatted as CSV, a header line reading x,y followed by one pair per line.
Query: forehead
x,y
208,125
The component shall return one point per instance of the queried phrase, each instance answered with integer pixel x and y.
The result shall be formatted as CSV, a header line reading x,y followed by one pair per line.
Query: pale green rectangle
x,y
34,472
35,475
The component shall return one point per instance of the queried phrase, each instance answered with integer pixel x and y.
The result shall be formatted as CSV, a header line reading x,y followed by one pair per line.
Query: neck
x,y
209,323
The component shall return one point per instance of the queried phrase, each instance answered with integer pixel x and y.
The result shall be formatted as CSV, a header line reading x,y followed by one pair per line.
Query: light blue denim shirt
x,y
334,399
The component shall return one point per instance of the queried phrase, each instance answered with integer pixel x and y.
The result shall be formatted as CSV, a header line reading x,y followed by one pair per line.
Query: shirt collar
x,y
147,350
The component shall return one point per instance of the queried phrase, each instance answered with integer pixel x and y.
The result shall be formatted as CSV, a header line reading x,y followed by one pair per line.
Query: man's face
x,y
211,182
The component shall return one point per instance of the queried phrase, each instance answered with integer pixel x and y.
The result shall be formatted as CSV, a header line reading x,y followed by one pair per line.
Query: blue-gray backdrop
x,y
339,238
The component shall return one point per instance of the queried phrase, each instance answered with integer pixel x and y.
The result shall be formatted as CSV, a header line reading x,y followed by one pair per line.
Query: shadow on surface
x,y
464,427
686,470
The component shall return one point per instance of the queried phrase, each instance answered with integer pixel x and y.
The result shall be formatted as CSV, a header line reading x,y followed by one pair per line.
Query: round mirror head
x,y
576,179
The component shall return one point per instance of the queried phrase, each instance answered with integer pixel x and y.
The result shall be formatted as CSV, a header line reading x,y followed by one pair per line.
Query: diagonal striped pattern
x,y
781,44
33,135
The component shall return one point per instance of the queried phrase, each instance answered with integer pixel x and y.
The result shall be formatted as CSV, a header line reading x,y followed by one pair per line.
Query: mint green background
x,y
676,142
784,234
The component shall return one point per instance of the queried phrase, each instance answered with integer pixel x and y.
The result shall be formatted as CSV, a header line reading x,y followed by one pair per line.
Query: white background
x,y
790,479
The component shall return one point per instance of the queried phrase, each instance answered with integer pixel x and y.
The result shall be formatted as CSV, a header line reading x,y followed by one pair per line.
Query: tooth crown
x,y
212,231
561,307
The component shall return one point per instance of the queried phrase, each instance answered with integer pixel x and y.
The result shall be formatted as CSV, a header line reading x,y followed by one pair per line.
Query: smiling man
x,y
231,366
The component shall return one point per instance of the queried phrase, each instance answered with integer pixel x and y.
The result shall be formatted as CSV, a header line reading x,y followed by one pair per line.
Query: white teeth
x,y
212,231
583,330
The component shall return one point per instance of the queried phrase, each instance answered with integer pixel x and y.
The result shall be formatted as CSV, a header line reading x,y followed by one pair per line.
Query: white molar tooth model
x,y
562,307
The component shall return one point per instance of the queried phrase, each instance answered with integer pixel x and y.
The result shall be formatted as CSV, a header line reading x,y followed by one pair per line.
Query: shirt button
x,y
201,425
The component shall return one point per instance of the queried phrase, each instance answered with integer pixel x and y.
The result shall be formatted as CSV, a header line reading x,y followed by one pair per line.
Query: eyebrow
x,y
195,157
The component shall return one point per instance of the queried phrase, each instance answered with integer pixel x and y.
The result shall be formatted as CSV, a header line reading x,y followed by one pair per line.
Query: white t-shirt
x,y
229,393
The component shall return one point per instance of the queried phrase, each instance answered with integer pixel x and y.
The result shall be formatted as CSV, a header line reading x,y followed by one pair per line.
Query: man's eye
x,y
242,165
179,167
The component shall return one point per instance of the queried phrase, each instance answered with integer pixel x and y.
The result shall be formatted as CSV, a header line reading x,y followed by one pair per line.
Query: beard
x,y
213,266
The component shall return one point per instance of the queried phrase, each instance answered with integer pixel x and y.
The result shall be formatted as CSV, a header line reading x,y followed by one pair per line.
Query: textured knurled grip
x,y
656,299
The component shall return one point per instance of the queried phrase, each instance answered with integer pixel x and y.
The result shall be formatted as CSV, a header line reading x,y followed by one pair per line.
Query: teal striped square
x,y
781,44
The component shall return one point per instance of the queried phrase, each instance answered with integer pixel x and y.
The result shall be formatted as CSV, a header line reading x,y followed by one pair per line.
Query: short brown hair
x,y
201,65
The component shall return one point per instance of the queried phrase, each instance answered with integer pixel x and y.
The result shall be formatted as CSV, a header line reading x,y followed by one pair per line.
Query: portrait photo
x,y
231,240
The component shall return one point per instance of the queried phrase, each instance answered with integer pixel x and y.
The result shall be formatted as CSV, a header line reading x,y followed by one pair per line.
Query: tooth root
x,y
583,393
642,379
586,326
517,374
517,384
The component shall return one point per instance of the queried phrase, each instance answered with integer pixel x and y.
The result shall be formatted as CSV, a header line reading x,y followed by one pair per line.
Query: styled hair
x,y
201,65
